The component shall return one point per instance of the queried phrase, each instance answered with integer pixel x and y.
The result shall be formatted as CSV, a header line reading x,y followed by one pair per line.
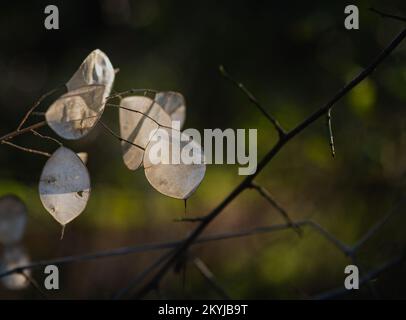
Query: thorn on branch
x,y
330,133
253,100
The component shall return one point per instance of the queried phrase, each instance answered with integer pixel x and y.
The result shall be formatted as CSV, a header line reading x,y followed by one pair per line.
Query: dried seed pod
x,y
174,105
64,186
75,113
95,69
14,257
171,174
13,219
140,117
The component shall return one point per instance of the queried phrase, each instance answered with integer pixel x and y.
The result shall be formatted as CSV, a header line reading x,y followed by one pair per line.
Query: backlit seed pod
x,y
175,176
140,117
76,113
174,105
64,186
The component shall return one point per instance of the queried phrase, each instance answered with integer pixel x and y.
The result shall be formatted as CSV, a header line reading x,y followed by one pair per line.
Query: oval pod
x,y
174,179
14,257
137,127
13,219
95,69
174,105
75,114
64,186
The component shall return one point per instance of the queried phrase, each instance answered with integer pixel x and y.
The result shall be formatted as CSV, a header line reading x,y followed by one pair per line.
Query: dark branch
x,y
268,157
264,193
210,278
30,111
387,15
16,133
254,100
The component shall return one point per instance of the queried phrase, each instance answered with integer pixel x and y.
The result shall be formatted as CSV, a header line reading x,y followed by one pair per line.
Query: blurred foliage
x,y
293,56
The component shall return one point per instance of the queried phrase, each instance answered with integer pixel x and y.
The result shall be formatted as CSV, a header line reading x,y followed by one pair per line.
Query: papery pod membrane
x,y
176,180
137,127
13,219
83,156
174,104
74,114
64,186
95,69
14,257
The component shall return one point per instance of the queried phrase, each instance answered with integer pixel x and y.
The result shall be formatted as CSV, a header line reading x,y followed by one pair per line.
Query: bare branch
x,y
269,156
36,133
211,279
254,100
189,219
34,284
372,231
140,277
159,246
16,133
338,292
45,95
117,136
131,91
338,243
42,153
386,15
264,193
145,115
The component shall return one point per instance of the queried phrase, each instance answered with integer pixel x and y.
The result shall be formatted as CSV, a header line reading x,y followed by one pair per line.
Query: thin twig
x,y
211,279
386,15
265,193
140,277
372,231
338,292
330,133
16,133
34,284
130,91
189,219
338,243
42,153
117,136
254,100
45,95
163,245
136,111
36,133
